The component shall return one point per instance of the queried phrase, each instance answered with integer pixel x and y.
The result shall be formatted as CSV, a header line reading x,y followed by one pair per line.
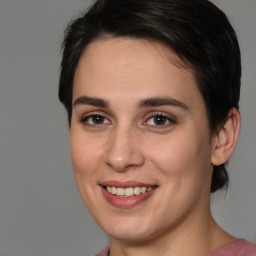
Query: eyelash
x,y
167,119
84,120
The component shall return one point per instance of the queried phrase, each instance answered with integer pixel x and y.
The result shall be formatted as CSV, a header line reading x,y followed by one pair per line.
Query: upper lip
x,y
125,184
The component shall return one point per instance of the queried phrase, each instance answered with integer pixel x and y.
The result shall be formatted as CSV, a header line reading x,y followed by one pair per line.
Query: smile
x,y
128,192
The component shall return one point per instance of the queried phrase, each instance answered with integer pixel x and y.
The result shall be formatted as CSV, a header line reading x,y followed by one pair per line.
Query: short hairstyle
x,y
196,31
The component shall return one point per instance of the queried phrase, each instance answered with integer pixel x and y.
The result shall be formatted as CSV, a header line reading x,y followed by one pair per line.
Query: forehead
x,y
127,67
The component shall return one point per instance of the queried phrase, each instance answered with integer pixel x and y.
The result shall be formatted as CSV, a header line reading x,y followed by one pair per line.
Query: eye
x,y
157,120
94,119
160,120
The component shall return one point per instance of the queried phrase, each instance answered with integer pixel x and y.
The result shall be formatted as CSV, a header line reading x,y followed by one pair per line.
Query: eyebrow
x,y
85,100
149,102
155,102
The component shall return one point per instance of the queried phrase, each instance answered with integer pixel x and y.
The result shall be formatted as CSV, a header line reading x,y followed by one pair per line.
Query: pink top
x,y
238,247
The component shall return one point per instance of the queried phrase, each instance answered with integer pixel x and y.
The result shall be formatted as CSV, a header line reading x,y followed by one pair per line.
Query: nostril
x,y
127,161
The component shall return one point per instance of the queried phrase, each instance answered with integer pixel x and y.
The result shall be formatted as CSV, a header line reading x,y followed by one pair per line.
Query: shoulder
x,y
103,253
249,249
238,247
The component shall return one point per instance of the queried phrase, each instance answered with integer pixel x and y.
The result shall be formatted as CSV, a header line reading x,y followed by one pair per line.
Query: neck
x,y
198,239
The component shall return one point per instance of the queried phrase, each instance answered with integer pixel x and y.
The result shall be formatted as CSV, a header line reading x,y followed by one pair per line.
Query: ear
x,y
225,140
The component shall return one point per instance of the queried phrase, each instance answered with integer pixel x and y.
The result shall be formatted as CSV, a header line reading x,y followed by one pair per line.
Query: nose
x,y
123,151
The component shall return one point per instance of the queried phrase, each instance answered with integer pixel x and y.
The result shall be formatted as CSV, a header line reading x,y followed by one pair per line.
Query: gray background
x,y
41,213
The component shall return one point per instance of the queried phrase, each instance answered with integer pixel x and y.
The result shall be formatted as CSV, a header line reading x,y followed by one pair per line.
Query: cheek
x,y
182,159
185,171
85,153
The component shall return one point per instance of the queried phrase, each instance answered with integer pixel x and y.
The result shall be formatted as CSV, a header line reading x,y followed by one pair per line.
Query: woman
x,y
152,89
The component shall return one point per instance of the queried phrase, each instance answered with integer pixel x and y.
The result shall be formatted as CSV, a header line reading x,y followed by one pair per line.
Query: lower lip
x,y
126,202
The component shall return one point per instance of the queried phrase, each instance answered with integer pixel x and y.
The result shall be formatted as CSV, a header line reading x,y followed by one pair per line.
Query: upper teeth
x,y
128,191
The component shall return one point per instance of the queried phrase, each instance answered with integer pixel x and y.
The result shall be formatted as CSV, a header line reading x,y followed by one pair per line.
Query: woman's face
x,y
139,140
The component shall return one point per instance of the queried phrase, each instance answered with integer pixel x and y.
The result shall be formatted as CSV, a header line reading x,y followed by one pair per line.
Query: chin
x,y
130,229
130,235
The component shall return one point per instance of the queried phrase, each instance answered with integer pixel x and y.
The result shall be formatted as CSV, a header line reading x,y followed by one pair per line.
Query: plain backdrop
x,y
41,213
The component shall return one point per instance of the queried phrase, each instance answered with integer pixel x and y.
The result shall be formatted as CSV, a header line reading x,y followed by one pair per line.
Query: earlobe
x,y
226,138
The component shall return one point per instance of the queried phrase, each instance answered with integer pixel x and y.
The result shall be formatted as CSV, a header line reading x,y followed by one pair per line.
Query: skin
x,y
127,144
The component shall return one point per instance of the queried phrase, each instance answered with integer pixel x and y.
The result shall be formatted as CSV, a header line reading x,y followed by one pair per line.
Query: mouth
x,y
128,194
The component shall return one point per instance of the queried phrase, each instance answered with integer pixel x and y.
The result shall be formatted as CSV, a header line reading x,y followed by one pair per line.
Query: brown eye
x,y
160,120
95,120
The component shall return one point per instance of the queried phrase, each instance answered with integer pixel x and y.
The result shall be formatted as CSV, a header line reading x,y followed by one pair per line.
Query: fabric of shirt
x,y
237,247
